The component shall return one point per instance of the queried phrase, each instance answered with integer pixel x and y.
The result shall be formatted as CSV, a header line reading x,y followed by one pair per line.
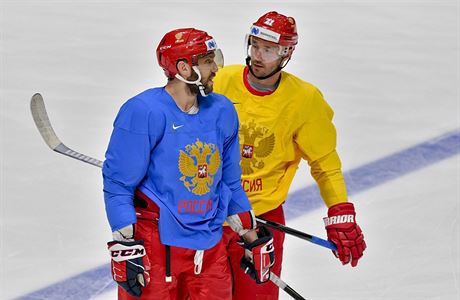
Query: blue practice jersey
x,y
188,164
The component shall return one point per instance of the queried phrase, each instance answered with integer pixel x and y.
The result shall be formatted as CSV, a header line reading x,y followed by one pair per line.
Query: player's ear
x,y
184,69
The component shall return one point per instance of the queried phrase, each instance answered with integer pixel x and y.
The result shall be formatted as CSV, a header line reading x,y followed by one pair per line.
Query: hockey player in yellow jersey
x,y
283,120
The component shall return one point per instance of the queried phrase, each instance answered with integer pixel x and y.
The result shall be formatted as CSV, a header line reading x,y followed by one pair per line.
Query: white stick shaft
x,y
38,109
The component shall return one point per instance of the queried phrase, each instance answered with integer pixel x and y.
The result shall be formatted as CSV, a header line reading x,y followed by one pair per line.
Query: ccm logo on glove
x,y
121,252
130,265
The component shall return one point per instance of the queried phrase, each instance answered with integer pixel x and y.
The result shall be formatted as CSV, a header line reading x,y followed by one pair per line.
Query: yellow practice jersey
x,y
276,131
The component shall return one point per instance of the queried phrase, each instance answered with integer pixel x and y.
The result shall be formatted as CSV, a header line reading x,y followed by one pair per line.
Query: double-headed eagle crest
x,y
198,164
252,154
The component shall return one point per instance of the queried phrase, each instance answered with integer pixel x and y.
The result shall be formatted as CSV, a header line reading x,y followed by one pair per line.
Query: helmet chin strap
x,y
196,82
279,68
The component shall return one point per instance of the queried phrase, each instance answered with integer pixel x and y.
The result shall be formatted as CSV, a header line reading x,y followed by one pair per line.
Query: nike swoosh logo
x,y
177,127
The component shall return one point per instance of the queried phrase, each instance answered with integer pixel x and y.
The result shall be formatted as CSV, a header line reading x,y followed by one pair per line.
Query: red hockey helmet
x,y
184,43
276,28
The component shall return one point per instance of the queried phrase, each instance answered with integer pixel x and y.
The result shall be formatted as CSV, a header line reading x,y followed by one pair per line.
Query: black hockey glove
x,y
130,264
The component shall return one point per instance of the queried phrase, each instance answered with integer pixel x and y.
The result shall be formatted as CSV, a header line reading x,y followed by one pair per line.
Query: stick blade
x,y
37,107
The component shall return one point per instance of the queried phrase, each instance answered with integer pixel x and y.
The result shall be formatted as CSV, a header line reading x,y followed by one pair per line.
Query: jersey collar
x,y
250,88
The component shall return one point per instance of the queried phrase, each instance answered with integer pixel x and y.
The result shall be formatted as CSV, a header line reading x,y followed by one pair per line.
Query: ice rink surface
x,y
389,69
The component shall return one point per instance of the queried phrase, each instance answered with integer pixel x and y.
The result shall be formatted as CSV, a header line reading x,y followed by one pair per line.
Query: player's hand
x,y
343,231
130,264
259,256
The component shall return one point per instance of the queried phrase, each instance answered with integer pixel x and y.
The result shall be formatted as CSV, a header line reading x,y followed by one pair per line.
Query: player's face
x,y
265,57
207,65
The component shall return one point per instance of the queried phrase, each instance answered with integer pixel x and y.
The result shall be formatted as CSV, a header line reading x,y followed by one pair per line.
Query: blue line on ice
x,y
96,281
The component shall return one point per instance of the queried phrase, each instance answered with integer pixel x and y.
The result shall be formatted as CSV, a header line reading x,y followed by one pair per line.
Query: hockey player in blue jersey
x,y
171,179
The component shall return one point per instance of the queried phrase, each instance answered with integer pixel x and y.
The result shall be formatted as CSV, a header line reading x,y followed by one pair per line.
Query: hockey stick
x,y
38,109
285,287
302,235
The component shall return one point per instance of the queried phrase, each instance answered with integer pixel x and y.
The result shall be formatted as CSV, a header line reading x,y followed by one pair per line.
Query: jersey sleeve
x,y
316,139
231,170
126,163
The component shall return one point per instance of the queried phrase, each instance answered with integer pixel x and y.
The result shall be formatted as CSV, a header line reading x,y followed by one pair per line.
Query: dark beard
x,y
193,88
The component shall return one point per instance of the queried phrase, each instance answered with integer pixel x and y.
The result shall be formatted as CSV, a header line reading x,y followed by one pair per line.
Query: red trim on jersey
x,y
250,88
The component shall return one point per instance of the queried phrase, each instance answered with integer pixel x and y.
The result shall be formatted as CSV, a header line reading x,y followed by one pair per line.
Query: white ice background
x,y
389,69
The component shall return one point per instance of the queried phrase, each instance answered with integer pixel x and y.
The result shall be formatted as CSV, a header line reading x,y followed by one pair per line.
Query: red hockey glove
x,y
130,265
343,231
259,256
